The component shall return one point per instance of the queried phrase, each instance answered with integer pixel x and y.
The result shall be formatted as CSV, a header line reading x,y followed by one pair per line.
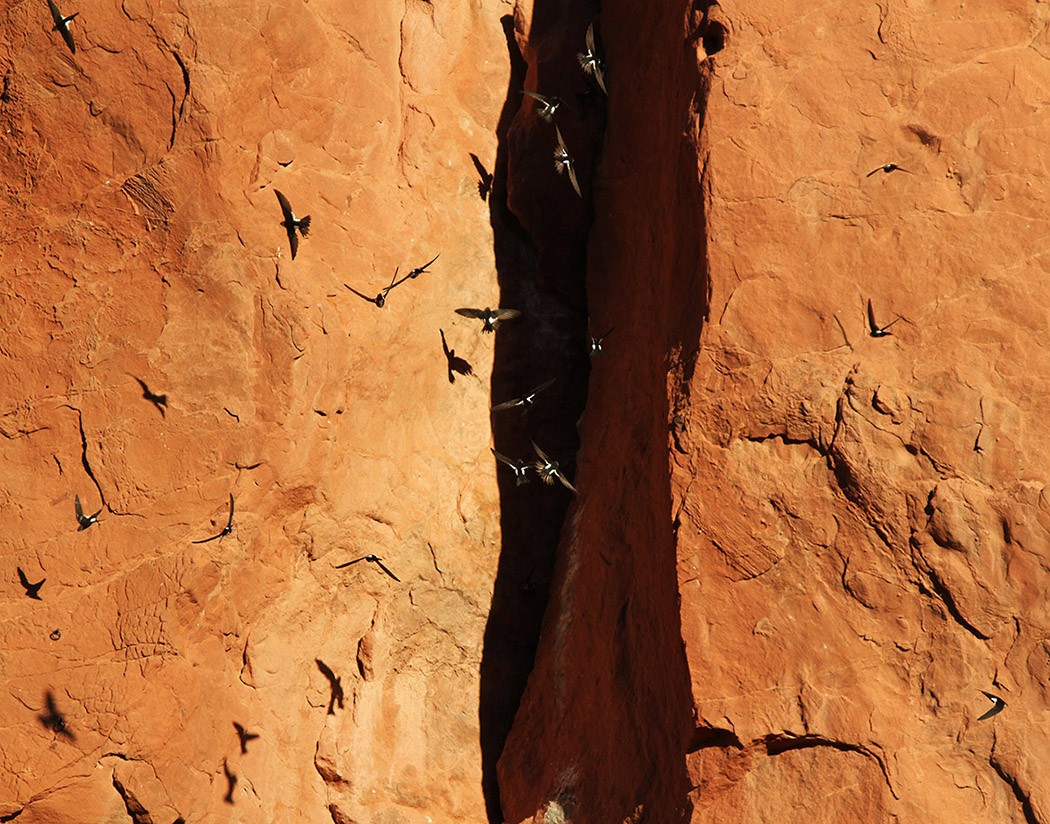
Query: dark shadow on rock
x,y
541,271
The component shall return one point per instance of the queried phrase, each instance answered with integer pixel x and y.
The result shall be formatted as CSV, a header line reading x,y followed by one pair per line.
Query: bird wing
x,y
460,365
78,507
383,567
590,39
501,458
561,140
426,265
229,523
535,96
540,453
359,294
22,578
876,169
325,671
507,314
572,179
67,35
467,312
350,563
293,239
541,387
507,404
871,318
444,346
56,15
566,484
599,75
286,207
241,731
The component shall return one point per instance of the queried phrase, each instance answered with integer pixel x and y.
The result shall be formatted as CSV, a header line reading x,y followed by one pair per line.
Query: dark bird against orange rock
x,y
874,329
62,25
455,364
372,559
295,226
226,530
84,520
32,590
490,318
998,705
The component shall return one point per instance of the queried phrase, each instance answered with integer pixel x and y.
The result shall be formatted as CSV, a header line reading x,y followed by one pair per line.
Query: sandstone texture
x,y
799,552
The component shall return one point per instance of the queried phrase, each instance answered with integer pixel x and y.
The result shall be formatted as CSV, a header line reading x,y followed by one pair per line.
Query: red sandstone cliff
x,y
798,553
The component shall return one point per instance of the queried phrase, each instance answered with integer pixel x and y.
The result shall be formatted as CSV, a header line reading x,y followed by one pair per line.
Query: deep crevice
x,y
84,455
138,813
1022,797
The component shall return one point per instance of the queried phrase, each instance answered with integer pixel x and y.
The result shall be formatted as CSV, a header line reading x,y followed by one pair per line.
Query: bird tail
x,y
304,226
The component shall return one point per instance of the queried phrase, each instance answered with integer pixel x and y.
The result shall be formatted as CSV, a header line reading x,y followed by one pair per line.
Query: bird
x,y
245,737
545,106
84,520
159,401
596,343
62,25
548,470
334,683
590,61
455,364
32,590
998,705
380,299
489,317
372,559
226,530
887,168
55,720
874,329
415,273
519,468
525,401
563,162
486,177
231,782
291,223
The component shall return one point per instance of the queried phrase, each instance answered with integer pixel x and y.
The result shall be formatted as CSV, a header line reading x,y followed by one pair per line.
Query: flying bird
x,y
485,177
55,720
549,470
596,343
415,273
887,168
292,223
455,364
563,162
874,329
62,25
998,705
159,401
519,468
334,683
84,520
226,530
525,401
372,559
32,590
380,299
231,782
545,106
489,317
591,62
245,737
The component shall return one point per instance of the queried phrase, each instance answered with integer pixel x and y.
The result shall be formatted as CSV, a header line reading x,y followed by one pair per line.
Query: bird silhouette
x,y
244,737
32,590
874,329
549,471
455,364
563,162
231,782
372,559
490,318
380,299
159,401
525,401
62,25
84,520
998,705
415,273
485,178
591,62
55,720
519,468
291,223
334,683
596,343
887,168
546,107
226,530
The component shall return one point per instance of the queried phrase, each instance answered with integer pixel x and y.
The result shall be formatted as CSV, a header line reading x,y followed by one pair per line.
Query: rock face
x,y
849,537
800,552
